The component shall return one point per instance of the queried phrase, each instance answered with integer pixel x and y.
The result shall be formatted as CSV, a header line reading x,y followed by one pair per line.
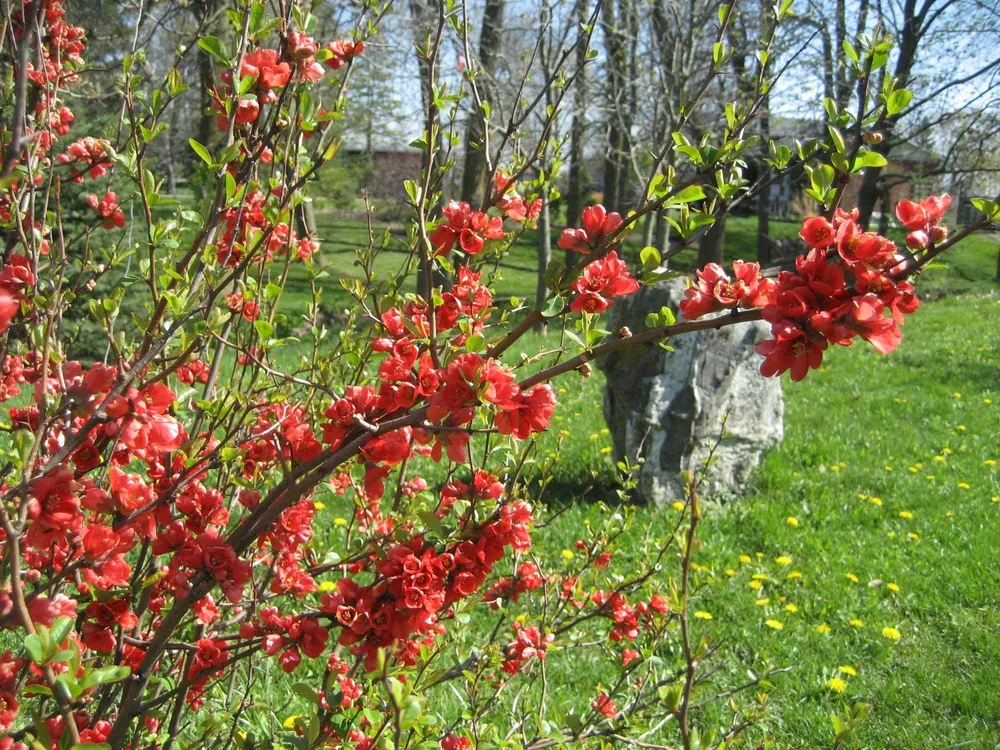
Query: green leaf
x,y
869,159
201,151
897,101
33,645
214,46
650,258
264,329
475,343
688,195
553,307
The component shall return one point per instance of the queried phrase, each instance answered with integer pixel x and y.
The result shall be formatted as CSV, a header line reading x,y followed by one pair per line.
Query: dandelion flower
x,y
783,560
793,575
567,554
763,602
791,608
851,577
340,522
836,684
963,485
775,624
678,506
823,628
289,723
745,559
848,670
913,537
325,586
318,505
759,576
892,634
990,462
792,521
703,615
730,572
606,449
893,587
755,585
906,514
857,623
875,500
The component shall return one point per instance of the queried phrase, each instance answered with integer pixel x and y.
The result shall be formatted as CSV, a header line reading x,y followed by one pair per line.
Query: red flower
x,y
603,705
600,281
818,233
470,228
716,291
108,210
342,52
790,349
597,224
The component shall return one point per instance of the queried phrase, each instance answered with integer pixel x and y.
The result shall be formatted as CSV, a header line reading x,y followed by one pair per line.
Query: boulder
x,y
668,407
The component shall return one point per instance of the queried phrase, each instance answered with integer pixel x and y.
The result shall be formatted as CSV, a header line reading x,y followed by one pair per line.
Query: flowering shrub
x,y
160,514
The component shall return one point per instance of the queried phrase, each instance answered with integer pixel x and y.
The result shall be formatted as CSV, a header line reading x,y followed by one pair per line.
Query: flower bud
x,y
624,332
585,369
873,138
939,233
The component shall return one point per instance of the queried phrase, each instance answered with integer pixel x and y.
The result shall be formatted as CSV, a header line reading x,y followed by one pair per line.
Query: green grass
x,y
862,427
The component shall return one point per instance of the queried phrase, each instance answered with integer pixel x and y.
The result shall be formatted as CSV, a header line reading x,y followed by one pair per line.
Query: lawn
x,y
876,518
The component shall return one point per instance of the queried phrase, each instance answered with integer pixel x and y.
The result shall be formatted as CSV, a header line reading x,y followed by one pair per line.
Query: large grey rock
x,y
668,407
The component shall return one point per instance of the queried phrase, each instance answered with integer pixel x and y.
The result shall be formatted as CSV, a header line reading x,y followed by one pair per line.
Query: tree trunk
x,y
543,245
615,166
661,239
712,243
763,202
474,173
575,190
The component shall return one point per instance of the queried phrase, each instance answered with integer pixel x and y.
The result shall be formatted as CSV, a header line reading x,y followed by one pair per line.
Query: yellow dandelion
x,y
931,477
949,514
891,534
946,451
755,585
875,500
606,449
325,586
793,575
891,633
823,628
318,505
758,555
759,576
956,394
289,723
563,433
730,572
763,602
678,506
990,462
888,468
940,459
913,537
848,670
894,587
963,485
775,624
567,554
987,401
906,514
862,496
783,560
563,390
703,615
836,684
745,559
996,498
340,521
835,467
857,623
791,608
594,436
792,521
851,577
961,428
